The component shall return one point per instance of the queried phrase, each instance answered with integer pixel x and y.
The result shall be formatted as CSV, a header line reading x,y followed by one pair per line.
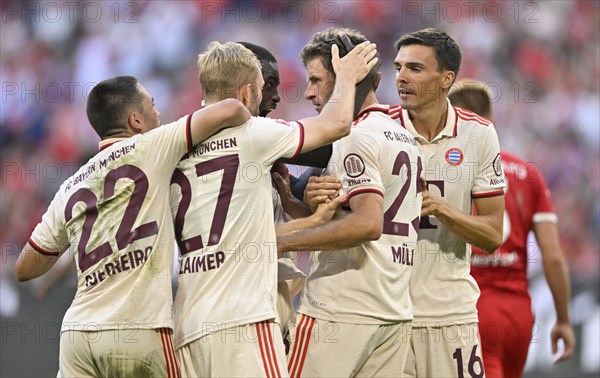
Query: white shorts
x,y
251,350
118,353
327,349
449,351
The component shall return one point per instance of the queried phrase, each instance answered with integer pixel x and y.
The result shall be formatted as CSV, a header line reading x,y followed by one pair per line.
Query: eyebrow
x,y
410,64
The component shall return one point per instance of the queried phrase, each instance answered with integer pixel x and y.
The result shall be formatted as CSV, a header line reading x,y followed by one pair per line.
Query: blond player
x,y
114,213
355,309
461,158
222,202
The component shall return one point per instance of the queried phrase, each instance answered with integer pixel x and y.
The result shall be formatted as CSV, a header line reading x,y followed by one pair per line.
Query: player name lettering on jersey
x,y
496,181
389,135
495,259
128,261
353,182
403,255
88,170
196,264
213,145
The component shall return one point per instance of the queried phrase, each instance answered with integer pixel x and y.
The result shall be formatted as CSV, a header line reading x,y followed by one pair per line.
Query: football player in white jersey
x,y
355,309
114,213
223,208
290,279
461,159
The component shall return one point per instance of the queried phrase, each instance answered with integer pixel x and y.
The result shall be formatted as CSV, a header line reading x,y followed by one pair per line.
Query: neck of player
x,y
370,100
430,120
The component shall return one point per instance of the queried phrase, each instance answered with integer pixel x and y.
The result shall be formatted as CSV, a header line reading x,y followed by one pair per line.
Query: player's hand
x,y
563,331
431,204
281,177
320,189
357,63
326,210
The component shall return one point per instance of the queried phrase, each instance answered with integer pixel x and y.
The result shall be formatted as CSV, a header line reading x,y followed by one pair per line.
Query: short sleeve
x,y
50,235
355,163
489,180
275,139
168,143
543,211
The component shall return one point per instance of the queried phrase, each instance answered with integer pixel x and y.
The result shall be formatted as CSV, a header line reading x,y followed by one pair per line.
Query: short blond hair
x,y
472,95
225,68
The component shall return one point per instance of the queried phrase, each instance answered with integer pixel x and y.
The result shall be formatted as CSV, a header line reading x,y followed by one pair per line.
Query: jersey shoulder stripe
x,y
467,115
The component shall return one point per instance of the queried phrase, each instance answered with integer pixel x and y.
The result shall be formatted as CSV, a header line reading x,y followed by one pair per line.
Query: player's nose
x,y
310,93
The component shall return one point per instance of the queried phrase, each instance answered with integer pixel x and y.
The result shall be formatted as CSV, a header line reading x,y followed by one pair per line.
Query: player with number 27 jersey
x,y
222,203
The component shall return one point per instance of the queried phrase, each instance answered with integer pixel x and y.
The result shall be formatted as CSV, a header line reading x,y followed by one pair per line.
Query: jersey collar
x,y
108,142
368,110
450,130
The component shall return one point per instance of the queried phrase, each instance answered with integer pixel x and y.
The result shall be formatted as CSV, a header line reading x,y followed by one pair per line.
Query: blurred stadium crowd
x,y
540,59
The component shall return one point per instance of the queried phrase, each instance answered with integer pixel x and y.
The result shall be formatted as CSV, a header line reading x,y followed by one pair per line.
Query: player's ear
x,y
377,80
447,79
134,122
246,94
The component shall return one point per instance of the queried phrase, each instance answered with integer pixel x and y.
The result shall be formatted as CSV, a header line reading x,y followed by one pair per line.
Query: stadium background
x,y
540,59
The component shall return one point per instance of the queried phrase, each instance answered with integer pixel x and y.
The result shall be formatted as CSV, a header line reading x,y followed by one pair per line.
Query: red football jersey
x,y
527,202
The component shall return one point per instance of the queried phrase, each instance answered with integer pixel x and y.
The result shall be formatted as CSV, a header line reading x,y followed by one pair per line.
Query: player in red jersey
x,y
504,306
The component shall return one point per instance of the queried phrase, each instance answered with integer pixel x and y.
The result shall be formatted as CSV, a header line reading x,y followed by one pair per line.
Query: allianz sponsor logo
x,y
495,259
496,181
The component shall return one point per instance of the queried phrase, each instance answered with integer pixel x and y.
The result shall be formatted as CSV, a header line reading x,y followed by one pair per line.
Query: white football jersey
x,y
368,284
115,214
460,164
222,202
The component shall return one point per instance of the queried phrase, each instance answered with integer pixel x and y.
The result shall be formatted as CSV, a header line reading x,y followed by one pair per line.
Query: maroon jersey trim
x,y
495,193
301,143
188,133
41,250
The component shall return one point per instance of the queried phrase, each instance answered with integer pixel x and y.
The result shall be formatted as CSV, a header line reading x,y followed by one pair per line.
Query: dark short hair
x,y
109,102
447,51
261,53
320,45
471,95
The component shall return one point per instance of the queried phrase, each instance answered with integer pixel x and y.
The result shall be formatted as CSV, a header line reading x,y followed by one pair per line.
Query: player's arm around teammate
x,y
335,120
203,123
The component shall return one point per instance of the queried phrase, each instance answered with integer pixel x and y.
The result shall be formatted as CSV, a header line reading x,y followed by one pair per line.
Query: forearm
x,y
296,225
340,107
346,232
482,231
32,264
295,208
557,276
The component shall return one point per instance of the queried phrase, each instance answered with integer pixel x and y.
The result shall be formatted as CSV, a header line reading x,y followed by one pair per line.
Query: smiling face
x,y
419,80
320,84
270,96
